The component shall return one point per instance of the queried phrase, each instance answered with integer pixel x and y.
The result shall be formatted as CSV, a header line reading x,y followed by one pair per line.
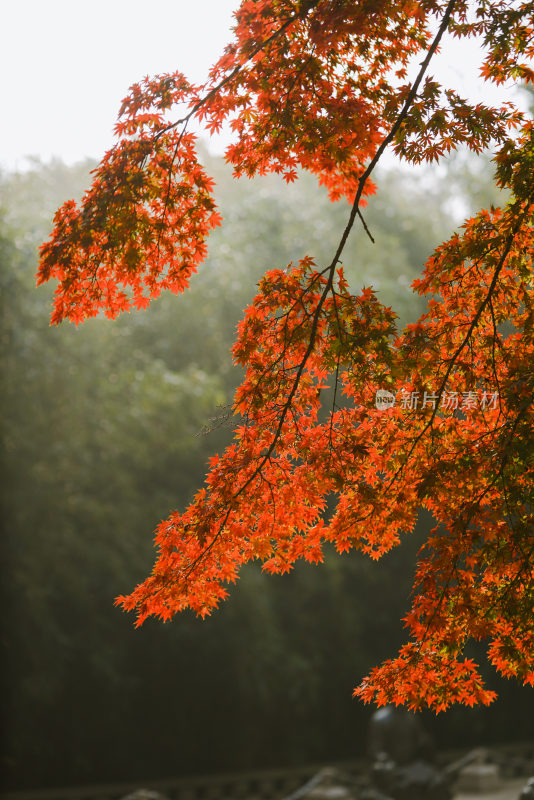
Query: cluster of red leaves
x,y
322,85
142,226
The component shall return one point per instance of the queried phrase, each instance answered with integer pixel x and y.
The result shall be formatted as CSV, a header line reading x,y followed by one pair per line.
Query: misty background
x,y
104,432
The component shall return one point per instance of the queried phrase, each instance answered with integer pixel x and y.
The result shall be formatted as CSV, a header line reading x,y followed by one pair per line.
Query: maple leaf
x,y
316,86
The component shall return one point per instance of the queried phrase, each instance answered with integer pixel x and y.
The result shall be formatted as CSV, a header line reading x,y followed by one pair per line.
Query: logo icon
x,y
384,399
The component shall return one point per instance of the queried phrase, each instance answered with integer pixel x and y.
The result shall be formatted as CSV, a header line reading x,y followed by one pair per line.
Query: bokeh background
x,y
104,431
107,427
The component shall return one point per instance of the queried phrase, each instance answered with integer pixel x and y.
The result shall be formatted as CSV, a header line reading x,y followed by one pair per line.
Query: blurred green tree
x,y
99,439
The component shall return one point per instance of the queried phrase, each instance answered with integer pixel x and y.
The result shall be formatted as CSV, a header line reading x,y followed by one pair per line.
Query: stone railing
x,y
273,784
514,761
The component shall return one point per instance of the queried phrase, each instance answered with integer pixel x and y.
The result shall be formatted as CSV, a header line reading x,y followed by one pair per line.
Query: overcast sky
x,y
65,65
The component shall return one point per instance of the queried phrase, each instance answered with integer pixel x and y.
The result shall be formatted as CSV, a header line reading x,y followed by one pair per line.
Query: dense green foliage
x,y
99,441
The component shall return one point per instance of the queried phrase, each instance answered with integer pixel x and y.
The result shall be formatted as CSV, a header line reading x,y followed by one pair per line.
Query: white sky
x,y
65,66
